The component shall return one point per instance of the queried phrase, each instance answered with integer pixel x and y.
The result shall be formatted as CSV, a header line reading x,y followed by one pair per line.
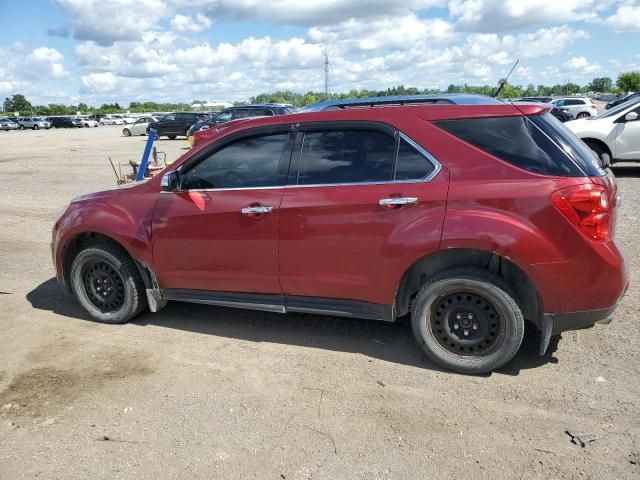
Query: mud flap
x,y
546,330
155,300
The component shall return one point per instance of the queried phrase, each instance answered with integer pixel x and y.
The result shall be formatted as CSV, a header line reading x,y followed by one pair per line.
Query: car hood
x,y
125,189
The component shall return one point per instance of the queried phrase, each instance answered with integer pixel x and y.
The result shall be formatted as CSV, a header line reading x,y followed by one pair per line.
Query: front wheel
x,y
171,137
107,284
583,115
126,132
602,153
36,127
466,321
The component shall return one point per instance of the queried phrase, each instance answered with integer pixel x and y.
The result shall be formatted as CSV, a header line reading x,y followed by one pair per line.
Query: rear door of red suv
x,y
349,212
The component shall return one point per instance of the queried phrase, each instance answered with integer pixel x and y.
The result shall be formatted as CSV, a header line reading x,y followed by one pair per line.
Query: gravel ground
x,y
205,392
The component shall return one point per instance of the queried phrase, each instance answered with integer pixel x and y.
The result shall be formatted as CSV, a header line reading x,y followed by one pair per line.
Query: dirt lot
x,y
205,392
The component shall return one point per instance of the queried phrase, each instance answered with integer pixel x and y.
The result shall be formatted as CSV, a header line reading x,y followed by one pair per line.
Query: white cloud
x,y
500,15
107,22
100,82
626,18
184,23
583,66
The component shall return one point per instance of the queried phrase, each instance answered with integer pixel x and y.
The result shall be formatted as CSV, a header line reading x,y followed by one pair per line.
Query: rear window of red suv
x,y
537,143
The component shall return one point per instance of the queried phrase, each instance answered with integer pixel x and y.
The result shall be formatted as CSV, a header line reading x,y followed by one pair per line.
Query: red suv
x,y
470,215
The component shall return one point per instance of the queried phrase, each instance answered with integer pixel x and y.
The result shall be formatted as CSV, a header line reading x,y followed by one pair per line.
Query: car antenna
x,y
501,86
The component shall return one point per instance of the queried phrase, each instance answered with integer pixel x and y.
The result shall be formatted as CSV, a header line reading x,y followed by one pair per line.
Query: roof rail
x,y
398,100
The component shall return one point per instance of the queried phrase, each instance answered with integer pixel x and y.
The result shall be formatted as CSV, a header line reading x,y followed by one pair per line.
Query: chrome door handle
x,y
397,201
256,210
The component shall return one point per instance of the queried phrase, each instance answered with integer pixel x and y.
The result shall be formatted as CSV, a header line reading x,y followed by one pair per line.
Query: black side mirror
x,y
170,182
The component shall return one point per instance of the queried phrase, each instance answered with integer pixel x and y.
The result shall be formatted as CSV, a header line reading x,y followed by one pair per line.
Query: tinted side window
x,y
169,118
349,156
249,162
411,164
515,140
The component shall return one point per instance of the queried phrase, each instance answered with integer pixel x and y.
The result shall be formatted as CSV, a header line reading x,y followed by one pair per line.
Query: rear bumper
x,y
578,320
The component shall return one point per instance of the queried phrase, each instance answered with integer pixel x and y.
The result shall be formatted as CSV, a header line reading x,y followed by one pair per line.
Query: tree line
x,y
626,82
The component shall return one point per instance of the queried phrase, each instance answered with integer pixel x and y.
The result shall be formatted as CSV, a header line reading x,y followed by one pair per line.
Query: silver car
x,y
576,107
139,127
34,122
6,124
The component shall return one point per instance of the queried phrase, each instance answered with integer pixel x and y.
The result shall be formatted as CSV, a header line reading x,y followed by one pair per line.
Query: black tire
x,y
127,295
470,302
172,137
126,132
21,127
36,127
583,115
603,154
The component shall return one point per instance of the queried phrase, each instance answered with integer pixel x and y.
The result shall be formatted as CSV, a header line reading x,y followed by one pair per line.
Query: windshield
x,y
617,109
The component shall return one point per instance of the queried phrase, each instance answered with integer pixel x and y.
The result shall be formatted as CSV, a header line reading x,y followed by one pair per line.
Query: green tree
x,y
17,103
629,82
601,84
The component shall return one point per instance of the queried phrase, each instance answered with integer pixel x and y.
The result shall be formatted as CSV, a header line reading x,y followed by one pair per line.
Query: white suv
x,y
576,107
614,135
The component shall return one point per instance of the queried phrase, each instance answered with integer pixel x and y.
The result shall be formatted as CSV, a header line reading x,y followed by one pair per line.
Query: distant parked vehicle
x,y
139,127
111,120
243,111
560,114
576,107
177,123
614,135
61,122
87,122
34,123
537,99
623,99
6,124
127,120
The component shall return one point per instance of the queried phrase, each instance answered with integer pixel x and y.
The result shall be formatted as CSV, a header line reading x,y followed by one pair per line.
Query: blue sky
x,y
96,51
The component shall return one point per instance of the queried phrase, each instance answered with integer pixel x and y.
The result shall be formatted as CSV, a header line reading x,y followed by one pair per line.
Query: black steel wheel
x,y
106,282
103,285
467,321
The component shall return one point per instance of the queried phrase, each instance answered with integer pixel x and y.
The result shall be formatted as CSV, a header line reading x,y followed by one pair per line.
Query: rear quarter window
x,y
527,143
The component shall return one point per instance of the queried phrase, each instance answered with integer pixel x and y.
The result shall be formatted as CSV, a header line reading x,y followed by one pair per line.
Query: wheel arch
x,y
426,267
86,239
599,142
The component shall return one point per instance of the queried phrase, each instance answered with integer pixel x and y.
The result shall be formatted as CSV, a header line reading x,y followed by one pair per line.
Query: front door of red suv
x,y
363,203
218,232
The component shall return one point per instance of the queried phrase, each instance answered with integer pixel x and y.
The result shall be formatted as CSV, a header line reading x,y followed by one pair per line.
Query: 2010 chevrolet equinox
x,y
470,215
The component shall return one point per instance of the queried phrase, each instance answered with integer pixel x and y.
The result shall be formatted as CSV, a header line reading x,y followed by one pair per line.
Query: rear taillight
x,y
588,208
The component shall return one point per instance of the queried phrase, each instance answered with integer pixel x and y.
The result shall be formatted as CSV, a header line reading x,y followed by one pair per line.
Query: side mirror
x,y
170,181
631,117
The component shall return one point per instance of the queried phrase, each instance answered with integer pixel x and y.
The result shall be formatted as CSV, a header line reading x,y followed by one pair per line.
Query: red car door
x,y
218,232
357,219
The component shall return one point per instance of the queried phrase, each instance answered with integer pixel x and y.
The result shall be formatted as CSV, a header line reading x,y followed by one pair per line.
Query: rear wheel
x,y
21,127
583,115
465,320
107,284
36,127
126,132
171,137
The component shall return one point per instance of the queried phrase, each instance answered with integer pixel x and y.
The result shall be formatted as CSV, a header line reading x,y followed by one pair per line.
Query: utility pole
x,y
326,75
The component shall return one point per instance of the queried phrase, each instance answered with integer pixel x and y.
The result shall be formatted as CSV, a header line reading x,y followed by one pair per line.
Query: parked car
x,y
358,209
560,114
576,107
62,122
87,122
177,123
614,135
111,120
622,99
139,127
6,124
537,99
34,123
243,111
